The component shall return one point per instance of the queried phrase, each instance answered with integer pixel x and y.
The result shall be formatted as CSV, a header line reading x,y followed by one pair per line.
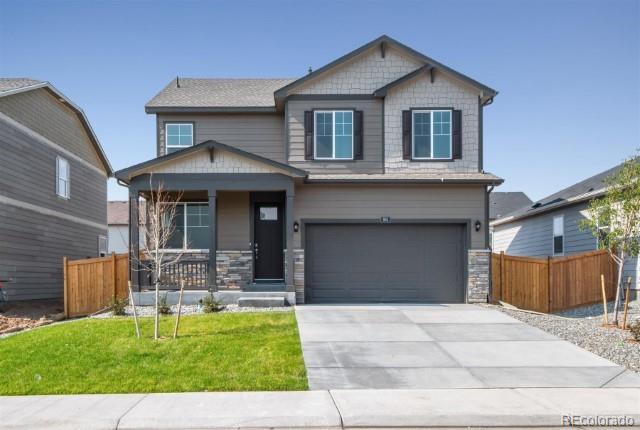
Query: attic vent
x,y
536,205
590,189
310,70
177,82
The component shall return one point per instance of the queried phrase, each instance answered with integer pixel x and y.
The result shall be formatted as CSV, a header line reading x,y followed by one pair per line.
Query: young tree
x,y
158,228
615,219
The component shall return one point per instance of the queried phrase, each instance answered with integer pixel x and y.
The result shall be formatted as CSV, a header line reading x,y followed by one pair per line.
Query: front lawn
x,y
214,352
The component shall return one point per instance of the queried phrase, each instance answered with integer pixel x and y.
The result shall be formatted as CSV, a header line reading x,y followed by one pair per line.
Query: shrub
x,y
118,306
635,329
163,307
210,304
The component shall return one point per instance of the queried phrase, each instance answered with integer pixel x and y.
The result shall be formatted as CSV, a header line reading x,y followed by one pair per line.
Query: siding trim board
x,y
36,136
42,210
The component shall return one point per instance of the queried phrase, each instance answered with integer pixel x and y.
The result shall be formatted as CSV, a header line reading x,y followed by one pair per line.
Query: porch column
x,y
213,244
134,238
288,219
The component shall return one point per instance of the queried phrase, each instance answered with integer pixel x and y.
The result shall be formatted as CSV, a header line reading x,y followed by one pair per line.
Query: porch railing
x,y
194,273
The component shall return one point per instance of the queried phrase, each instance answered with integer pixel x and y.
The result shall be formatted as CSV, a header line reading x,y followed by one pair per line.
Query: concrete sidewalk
x,y
336,409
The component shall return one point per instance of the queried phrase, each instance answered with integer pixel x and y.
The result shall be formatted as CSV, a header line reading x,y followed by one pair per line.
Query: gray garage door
x,y
365,263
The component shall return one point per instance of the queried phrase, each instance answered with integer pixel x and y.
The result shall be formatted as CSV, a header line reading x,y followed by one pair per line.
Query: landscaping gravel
x,y
149,311
584,327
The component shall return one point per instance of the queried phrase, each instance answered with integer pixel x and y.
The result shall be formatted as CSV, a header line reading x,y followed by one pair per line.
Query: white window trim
x,y
166,135
184,238
553,235
430,112
333,137
67,181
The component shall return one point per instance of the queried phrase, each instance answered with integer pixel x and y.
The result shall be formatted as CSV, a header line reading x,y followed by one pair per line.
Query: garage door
x,y
367,263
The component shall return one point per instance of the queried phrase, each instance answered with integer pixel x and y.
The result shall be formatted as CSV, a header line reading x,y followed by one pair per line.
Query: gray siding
x,y
234,223
28,173
33,240
261,134
395,201
532,237
32,246
372,138
44,114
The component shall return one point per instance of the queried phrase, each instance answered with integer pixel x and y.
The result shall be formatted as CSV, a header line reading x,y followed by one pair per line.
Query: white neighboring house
x,y
118,223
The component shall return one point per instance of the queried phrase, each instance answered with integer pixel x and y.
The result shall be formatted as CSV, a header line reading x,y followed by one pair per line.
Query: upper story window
x,y
333,135
558,235
63,185
431,135
178,136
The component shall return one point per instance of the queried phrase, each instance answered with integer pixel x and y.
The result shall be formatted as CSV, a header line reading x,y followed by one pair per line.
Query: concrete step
x,y
261,302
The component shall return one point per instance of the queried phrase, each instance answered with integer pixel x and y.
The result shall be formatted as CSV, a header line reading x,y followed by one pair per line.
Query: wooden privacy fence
x,y
552,284
90,284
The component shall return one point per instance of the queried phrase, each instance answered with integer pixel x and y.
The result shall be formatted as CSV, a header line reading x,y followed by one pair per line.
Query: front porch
x,y
235,229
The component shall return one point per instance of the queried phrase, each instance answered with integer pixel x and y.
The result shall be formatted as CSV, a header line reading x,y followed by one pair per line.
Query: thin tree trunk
x,y
616,304
156,324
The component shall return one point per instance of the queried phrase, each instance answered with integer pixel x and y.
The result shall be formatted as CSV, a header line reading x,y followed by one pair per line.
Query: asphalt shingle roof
x,y
583,190
502,203
8,84
218,93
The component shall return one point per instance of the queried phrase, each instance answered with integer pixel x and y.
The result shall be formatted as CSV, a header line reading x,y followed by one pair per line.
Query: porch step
x,y
261,302
265,287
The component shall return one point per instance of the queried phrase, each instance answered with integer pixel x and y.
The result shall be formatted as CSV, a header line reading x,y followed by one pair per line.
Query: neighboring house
x,y
502,203
118,223
362,181
53,188
551,226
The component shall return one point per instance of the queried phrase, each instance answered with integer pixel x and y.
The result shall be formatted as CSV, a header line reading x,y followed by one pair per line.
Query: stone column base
x,y
478,271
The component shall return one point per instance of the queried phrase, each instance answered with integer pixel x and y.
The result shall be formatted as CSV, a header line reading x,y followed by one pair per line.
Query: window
x,y
431,135
191,227
333,135
179,136
558,235
102,246
269,213
63,186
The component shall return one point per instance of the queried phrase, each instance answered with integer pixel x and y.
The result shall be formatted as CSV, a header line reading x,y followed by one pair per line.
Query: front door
x,y
268,242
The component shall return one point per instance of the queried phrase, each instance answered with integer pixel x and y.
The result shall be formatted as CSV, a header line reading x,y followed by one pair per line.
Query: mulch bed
x,y
18,316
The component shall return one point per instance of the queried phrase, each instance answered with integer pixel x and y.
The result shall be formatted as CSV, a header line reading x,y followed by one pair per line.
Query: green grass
x,y
214,352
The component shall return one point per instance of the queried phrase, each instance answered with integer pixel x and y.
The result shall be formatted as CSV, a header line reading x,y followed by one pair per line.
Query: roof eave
x,y
509,219
125,175
487,92
209,109
79,112
441,181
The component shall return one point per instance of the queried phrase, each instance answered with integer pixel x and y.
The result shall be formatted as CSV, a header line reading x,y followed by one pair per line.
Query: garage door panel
x,y
384,263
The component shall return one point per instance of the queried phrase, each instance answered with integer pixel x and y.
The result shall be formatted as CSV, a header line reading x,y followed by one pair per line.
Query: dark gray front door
x,y
268,242
371,263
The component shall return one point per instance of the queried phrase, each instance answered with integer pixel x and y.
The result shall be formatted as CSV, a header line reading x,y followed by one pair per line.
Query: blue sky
x,y
568,72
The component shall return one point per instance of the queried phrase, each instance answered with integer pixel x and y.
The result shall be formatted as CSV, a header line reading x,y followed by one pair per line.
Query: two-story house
x,y
362,181
53,188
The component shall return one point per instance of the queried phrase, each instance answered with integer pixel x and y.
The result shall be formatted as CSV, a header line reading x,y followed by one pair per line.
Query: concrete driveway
x,y
441,346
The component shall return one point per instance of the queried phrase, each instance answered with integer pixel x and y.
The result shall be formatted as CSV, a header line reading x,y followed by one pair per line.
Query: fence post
x,y
549,283
65,274
115,275
502,276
